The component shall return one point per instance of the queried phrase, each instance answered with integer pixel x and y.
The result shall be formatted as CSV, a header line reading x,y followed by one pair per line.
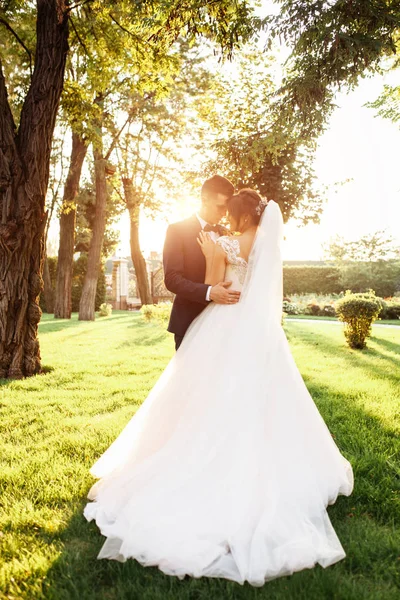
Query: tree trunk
x,y
63,303
88,298
24,173
138,260
48,288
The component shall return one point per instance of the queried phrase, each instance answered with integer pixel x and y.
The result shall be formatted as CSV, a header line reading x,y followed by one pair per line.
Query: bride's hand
x,y
206,244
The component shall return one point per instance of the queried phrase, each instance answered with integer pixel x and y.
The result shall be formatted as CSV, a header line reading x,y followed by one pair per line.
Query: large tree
x,y
63,300
25,149
24,170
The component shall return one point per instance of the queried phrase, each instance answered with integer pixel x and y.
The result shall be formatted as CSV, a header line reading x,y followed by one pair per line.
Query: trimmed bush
x,y
328,311
312,309
358,312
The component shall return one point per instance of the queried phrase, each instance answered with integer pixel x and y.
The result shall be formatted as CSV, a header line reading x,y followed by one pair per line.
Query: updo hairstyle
x,y
246,202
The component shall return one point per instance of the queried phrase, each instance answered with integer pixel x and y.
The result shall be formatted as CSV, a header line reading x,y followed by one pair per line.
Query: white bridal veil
x,y
262,290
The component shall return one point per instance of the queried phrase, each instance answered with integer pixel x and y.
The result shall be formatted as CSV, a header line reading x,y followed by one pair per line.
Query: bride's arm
x,y
215,259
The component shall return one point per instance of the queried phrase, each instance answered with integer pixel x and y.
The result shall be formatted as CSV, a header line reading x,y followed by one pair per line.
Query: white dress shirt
x,y
214,236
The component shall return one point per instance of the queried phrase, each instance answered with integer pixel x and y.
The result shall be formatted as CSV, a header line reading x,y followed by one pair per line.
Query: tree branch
x,y
136,37
15,34
131,114
79,37
78,5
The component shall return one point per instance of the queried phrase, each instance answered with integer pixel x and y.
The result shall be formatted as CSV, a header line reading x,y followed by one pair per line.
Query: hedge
x,y
311,280
382,276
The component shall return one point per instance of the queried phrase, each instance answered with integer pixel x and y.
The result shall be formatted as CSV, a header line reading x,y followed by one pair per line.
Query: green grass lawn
x,y
55,425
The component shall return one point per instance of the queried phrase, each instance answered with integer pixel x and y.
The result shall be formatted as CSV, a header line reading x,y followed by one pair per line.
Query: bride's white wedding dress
x,y
227,468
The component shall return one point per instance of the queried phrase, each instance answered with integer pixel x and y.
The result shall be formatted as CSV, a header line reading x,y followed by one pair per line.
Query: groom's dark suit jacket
x,y
184,272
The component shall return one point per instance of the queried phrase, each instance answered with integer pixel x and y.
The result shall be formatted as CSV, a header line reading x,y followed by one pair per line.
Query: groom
x,y
184,263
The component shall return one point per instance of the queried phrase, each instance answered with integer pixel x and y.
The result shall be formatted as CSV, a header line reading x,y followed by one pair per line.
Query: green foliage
x,y
332,44
105,310
249,143
388,103
311,279
358,312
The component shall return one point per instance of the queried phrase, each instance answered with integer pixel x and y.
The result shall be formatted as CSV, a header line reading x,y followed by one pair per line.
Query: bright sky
x,y
358,146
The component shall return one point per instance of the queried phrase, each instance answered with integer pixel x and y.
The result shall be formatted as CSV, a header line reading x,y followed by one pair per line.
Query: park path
x,y
338,322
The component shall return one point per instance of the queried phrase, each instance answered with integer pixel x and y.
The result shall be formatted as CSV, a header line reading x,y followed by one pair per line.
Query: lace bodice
x,y
236,267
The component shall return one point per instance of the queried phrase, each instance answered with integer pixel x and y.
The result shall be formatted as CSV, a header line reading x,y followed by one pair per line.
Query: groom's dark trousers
x,y
184,272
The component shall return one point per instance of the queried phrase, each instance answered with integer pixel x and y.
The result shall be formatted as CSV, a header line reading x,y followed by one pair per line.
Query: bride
x,y
227,468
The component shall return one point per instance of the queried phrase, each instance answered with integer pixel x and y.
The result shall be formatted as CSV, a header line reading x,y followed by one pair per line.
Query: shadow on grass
x,y
394,348
49,324
369,360
46,369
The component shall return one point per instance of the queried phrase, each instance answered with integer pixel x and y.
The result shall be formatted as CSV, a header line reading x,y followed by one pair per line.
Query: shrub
x,y
105,310
312,309
156,312
328,311
358,311
290,308
392,311
147,311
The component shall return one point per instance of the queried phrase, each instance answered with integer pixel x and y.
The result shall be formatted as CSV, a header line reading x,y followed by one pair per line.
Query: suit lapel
x,y
192,233
195,223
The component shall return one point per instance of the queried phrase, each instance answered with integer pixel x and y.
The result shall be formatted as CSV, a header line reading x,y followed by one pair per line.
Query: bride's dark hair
x,y
246,202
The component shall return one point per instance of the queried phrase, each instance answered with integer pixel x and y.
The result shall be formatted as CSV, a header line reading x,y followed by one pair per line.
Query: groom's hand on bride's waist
x,y
220,294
